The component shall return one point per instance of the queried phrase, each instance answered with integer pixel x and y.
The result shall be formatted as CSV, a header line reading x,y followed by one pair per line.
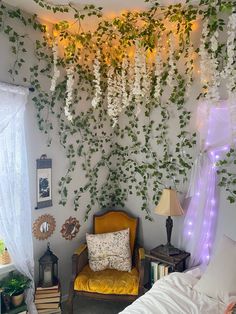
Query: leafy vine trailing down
x,y
139,155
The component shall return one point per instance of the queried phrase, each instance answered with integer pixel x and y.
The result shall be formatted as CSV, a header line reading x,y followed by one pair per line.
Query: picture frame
x,y
44,182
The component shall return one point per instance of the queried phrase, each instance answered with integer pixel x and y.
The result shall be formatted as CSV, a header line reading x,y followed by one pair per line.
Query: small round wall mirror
x,y
44,227
70,228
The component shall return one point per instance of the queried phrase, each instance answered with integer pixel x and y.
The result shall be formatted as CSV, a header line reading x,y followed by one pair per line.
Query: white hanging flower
x,y
204,56
138,63
210,76
230,72
130,79
97,81
142,78
215,75
114,95
158,70
189,69
172,65
125,96
69,91
146,80
56,72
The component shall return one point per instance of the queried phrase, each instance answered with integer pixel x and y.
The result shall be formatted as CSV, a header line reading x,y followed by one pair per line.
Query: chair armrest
x,y
79,260
139,264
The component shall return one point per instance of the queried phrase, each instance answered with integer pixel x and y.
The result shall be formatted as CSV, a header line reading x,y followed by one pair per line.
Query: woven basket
x,y
5,258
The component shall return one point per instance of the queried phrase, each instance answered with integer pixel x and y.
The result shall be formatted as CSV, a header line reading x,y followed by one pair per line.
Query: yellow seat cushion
x,y
108,281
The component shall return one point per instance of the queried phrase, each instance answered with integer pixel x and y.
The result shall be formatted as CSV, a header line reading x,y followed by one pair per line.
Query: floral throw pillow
x,y
109,250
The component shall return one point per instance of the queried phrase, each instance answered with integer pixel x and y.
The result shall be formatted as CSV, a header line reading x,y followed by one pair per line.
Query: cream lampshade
x,y
169,205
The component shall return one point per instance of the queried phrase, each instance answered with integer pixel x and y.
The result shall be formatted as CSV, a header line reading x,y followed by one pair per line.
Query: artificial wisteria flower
x,y
189,68
97,81
69,91
142,79
204,56
158,70
114,95
56,72
213,92
124,73
172,65
146,81
230,71
138,64
210,75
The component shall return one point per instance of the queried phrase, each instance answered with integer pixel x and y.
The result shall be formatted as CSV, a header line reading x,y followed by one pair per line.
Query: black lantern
x,y
48,269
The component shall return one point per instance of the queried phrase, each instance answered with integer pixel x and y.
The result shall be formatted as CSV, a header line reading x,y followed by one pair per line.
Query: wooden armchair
x,y
108,284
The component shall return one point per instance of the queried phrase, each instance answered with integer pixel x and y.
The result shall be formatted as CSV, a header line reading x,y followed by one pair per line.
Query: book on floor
x,y
49,311
41,295
48,306
47,300
56,287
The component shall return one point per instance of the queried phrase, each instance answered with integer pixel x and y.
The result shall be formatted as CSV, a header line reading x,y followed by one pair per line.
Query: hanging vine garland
x,y
131,93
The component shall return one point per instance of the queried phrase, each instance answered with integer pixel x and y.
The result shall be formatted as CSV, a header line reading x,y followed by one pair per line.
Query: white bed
x,y
174,294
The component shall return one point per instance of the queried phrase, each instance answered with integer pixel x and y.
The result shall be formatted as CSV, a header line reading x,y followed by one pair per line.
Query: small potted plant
x,y
14,286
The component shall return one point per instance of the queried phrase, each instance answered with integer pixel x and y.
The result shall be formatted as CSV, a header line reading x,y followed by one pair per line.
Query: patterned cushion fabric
x,y
109,250
115,221
108,281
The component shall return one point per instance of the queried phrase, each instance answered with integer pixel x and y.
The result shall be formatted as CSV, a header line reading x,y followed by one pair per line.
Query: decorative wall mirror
x,y
44,227
70,228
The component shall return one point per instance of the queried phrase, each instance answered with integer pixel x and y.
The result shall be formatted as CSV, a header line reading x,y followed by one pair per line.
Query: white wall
x,y
151,233
36,146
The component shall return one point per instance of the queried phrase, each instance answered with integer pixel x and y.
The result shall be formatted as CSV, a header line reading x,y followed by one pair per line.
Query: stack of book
x,y
47,300
159,270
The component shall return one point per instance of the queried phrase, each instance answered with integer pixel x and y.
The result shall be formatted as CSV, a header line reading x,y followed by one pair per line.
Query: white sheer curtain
x,y
15,208
216,126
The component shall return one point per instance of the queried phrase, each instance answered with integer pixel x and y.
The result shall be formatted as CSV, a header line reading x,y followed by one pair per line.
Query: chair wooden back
x,y
112,221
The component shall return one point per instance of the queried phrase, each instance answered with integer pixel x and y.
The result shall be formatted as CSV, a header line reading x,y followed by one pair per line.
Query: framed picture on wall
x,y
44,182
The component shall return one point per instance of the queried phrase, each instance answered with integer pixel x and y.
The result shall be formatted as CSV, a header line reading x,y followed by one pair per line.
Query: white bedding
x,y
174,294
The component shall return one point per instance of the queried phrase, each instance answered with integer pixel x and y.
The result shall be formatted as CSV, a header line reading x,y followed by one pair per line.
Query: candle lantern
x,y
48,269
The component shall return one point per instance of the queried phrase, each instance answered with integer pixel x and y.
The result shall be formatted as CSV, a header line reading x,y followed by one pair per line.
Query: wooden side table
x,y
176,262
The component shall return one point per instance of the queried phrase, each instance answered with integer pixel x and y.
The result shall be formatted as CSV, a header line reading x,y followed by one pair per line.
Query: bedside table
x,y
168,263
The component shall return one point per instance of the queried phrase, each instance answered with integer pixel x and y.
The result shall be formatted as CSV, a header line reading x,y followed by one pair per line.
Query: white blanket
x,y
174,294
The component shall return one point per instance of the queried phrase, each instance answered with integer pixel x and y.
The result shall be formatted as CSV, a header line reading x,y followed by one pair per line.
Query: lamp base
x,y
168,249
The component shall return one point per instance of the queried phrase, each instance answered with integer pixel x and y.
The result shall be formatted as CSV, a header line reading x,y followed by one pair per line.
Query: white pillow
x,y
219,279
109,250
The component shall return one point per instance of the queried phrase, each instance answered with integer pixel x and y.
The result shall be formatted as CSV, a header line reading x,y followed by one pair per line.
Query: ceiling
x,y
111,7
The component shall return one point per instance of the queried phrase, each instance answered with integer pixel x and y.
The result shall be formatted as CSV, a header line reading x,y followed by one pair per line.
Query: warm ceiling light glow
x,y
195,26
111,15
55,33
79,45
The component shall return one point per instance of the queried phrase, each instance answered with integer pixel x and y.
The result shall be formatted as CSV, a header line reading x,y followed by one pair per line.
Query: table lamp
x,y
169,206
